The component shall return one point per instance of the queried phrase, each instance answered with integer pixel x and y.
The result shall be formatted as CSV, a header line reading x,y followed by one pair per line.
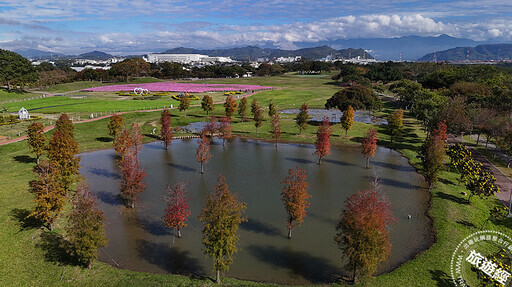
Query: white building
x,y
186,58
288,59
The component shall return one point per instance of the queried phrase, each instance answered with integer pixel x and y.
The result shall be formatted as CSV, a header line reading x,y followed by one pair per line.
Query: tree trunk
x,y
486,142
179,233
37,160
50,226
89,265
223,141
367,162
477,139
319,160
289,233
354,275
346,133
218,277
132,203
202,168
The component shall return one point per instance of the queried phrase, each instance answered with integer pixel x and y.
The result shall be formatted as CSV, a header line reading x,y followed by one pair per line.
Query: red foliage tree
x,y
203,151
136,135
166,133
323,144
440,132
225,129
122,142
178,209
295,196
276,128
362,233
132,175
212,127
369,145
128,144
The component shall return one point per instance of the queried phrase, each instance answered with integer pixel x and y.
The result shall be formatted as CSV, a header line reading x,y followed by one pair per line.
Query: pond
x,y
334,116
254,169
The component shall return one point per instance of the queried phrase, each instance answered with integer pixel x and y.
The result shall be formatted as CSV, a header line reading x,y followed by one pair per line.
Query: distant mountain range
x,y
252,52
38,54
383,49
478,53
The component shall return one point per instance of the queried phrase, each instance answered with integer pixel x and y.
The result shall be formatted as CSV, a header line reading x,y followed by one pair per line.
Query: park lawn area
x,y
28,257
6,96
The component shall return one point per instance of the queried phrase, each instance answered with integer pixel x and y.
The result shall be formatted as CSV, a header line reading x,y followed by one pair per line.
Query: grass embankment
x,y
28,256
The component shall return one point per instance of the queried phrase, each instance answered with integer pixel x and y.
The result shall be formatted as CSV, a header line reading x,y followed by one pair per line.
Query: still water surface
x,y
254,169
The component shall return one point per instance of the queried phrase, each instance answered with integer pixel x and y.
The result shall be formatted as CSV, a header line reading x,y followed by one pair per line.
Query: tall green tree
x,y
302,118
85,231
242,108
357,96
36,139
221,216
254,106
258,118
395,123
116,125
272,110
207,104
14,69
128,68
184,104
362,231
347,119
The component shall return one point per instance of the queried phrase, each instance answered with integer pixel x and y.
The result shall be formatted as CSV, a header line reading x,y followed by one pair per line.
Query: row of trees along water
x,y
223,212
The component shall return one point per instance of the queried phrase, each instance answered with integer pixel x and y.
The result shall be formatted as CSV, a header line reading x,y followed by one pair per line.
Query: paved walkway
x,y
108,116
502,181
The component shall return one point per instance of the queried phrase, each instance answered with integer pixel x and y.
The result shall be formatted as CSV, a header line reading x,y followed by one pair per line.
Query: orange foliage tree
x,y
276,128
295,197
178,209
50,195
203,151
347,119
369,145
36,139
230,106
322,143
62,154
116,125
361,231
166,133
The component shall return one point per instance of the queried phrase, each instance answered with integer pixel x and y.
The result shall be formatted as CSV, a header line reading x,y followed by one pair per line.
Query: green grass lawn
x,y
28,256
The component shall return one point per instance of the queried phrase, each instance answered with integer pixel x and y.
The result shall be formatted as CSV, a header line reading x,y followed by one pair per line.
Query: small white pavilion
x,y
23,114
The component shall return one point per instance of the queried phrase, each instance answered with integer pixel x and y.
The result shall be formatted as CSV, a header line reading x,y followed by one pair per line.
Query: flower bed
x,y
179,87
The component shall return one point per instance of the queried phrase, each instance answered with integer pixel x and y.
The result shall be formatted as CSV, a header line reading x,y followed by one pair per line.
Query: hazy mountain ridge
x,y
490,52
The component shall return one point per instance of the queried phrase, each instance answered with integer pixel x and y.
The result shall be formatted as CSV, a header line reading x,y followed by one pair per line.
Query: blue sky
x,y
141,26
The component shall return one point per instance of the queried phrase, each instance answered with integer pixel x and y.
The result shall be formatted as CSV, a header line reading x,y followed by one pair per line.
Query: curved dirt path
x,y
48,128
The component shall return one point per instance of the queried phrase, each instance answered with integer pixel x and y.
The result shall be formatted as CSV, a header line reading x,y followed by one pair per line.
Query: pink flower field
x,y
179,87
